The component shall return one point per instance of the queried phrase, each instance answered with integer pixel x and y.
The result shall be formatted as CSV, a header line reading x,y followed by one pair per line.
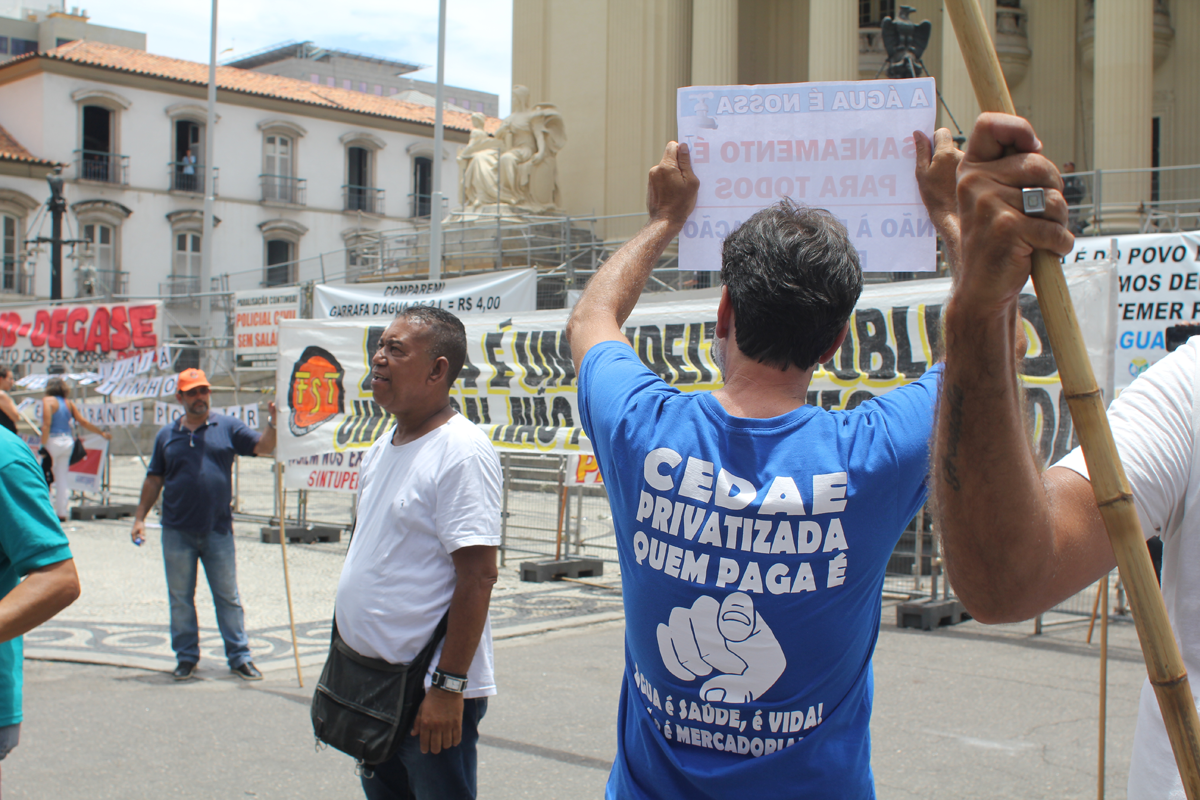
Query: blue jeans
x,y
411,775
181,551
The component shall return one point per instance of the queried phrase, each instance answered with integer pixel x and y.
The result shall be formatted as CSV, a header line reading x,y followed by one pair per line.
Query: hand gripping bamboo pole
x,y
1113,494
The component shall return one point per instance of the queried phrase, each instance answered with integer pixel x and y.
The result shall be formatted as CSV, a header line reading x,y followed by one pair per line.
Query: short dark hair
x,y
4,371
446,336
56,387
793,278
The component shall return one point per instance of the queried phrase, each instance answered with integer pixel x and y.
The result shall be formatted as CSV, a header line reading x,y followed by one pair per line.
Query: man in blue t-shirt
x,y
753,530
192,467
33,547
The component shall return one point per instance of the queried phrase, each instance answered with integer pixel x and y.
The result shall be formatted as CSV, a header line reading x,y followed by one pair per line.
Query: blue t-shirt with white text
x,y
753,552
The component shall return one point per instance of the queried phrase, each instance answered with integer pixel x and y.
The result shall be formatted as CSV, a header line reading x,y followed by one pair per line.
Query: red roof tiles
x,y
139,62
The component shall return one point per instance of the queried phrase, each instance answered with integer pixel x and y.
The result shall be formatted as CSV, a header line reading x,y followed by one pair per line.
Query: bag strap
x,y
426,654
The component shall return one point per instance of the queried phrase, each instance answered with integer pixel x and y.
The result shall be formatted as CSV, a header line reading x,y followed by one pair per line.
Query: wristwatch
x,y
449,682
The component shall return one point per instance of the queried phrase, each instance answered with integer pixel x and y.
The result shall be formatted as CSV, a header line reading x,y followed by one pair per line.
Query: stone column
x,y
529,46
832,40
1124,102
714,42
955,84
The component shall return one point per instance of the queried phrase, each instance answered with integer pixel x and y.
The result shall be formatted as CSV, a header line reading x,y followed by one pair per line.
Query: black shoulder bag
x,y
78,451
366,706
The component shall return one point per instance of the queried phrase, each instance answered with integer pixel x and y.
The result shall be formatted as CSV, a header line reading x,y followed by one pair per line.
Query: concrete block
x,y
111,511
930,614
541,571
303,534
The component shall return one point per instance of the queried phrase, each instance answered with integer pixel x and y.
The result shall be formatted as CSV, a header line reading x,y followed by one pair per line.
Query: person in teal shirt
x,y
34,548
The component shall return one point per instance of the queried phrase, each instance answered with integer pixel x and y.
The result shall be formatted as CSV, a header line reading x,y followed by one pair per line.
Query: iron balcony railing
x,y
16,277
419,204
1158,199
362,198
189,177
284,189
91,165
179,290
92,282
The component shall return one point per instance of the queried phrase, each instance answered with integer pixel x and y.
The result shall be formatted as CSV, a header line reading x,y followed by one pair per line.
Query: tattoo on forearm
x,y
953,399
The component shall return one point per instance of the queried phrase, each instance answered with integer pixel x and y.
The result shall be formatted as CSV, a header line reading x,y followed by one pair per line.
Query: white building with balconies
x,y
302,170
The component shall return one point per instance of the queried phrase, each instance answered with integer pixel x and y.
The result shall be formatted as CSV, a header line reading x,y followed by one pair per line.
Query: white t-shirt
x,y
1154,425
417,504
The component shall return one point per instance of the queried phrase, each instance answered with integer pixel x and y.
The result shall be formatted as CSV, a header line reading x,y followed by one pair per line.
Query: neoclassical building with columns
x,y
1108,84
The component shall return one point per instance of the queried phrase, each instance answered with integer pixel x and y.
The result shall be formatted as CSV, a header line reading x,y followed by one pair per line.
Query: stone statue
x,y
905,42
477,168
530,140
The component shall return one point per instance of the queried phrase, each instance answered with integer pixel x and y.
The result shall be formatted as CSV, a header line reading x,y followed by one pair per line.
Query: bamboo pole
x,y
1095,611
1103,737
1114,497
287,581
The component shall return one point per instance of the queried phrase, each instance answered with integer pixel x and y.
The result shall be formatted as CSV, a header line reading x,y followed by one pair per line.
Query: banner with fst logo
x,y
78,336
1158,299
519,383
846,147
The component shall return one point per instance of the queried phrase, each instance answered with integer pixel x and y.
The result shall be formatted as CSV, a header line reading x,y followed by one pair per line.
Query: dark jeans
x,y
449,775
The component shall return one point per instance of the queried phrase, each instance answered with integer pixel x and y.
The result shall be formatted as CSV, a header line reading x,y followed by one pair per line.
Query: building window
x,y
362,87
101,241
3,45
393,90
378,90
422,185
98,162
187,170
345,84
20,47
186,266
330,81
60,41
316,78
10,255
279,262
278,184
479,107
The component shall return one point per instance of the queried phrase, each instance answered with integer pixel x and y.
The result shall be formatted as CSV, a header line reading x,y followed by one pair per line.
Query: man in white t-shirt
x,y
425,543
1017,541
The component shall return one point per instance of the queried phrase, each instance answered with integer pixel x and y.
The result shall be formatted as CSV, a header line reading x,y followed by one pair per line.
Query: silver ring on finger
x,y
1033,202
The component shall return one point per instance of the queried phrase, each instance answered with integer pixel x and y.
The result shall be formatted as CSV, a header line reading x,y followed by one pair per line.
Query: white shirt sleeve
x,y
1152,424
468,502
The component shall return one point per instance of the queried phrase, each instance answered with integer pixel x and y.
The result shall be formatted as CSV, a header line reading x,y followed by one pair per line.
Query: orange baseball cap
x,y
190,379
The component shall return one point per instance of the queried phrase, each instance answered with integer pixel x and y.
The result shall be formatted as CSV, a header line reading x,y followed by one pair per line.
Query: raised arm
x,y
614,290
1016,541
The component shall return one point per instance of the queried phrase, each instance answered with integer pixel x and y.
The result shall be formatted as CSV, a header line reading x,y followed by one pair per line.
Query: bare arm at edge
x,y
439,720
615,288
1016,540
43,593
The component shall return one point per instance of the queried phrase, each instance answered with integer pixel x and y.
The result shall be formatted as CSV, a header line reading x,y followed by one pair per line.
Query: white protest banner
x,y
113,415
166,413
846,147
519,383
505,292
1158,297
77,335
256,321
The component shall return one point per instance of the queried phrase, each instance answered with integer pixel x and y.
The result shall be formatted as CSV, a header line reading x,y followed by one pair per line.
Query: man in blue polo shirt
x,y
33,547
191,466
753,530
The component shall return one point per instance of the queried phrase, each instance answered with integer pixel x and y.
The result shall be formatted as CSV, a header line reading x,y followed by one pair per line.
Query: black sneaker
x,y
248,672
184,670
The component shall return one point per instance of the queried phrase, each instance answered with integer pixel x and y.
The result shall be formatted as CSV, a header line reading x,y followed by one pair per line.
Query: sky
x,y
478,32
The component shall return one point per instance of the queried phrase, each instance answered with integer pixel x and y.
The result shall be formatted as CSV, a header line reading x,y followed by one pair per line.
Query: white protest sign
x,y
846,147
256,324
1158,296
491,292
